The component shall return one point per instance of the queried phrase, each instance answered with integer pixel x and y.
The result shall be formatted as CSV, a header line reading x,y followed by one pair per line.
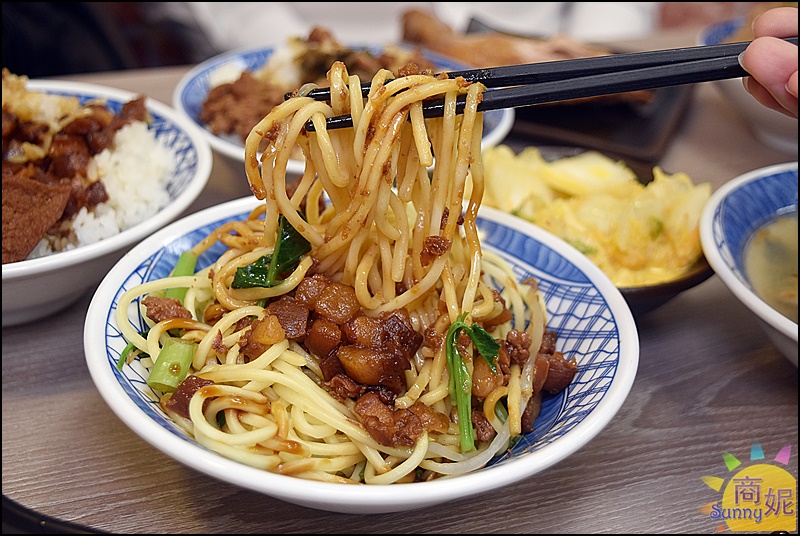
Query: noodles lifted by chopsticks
x,y
383,345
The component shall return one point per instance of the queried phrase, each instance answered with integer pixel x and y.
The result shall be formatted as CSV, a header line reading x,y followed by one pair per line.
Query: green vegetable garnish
x,y
267,271
656,227
583,247
130,347
254,274
185,266
502,414
172,365
123,357
460,380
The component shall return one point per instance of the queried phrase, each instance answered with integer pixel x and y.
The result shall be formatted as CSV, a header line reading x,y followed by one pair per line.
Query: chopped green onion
x,y
123,357
130,347
185,266
583,247
172,365
656,227
501,412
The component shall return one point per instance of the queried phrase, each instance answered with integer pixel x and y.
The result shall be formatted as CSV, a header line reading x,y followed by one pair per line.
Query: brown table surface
x,y
709,381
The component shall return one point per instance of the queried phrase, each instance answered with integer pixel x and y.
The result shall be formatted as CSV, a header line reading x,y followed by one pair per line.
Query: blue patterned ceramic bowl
x,y
193,88
593,322
39,287
732,215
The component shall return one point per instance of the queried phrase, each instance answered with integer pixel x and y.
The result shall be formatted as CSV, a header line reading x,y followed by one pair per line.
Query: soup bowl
x,y
735,213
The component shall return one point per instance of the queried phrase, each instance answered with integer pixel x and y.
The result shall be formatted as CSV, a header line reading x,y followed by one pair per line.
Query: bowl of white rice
x,y
152,172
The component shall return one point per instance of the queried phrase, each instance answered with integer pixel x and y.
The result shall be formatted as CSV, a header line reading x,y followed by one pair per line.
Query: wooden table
x,y
709,381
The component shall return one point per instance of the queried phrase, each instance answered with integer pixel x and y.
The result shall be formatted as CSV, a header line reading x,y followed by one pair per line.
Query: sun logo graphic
x,y
760,497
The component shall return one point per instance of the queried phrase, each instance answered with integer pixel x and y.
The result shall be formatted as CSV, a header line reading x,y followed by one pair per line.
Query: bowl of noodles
x,y
749,234
367,338
246,83
76,198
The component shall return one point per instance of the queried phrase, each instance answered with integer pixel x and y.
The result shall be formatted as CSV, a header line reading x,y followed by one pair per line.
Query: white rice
x,y
135,172
226,73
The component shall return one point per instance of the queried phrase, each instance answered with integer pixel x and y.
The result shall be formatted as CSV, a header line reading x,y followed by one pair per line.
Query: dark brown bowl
x,y
644,299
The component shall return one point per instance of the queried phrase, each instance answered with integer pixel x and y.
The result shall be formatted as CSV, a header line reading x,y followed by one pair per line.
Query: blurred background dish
x,y
583,307
771,127
194,87
643,233
37,287
736,216
636,126
640,133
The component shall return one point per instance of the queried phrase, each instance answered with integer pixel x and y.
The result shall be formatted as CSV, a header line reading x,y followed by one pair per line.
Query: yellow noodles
x,y
405,238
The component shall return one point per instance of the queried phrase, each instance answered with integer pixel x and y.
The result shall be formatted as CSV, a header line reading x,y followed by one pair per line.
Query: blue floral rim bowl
x,y
193,88
734,213
592,320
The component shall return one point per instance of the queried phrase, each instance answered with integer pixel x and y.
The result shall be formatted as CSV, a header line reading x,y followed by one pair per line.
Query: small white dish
x,y
733,214
593,322
34,288
194,86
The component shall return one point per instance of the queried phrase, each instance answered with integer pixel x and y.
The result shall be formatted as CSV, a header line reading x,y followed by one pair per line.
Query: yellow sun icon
x,y
761,497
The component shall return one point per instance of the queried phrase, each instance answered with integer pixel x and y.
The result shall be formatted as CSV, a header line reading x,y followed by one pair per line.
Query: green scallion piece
x,y
172,365
129,348
185,266
123,357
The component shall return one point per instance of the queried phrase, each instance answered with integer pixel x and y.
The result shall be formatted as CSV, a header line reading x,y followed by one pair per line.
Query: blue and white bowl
x,y
730,218
194,86
38,287
592,320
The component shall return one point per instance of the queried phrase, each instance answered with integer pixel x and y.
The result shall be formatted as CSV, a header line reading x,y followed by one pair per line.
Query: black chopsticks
x,y
538,83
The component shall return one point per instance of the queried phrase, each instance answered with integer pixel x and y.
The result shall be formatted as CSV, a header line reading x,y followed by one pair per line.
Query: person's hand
x,y
772,62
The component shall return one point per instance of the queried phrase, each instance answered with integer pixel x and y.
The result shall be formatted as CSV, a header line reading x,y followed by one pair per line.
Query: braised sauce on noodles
x,y
354,330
